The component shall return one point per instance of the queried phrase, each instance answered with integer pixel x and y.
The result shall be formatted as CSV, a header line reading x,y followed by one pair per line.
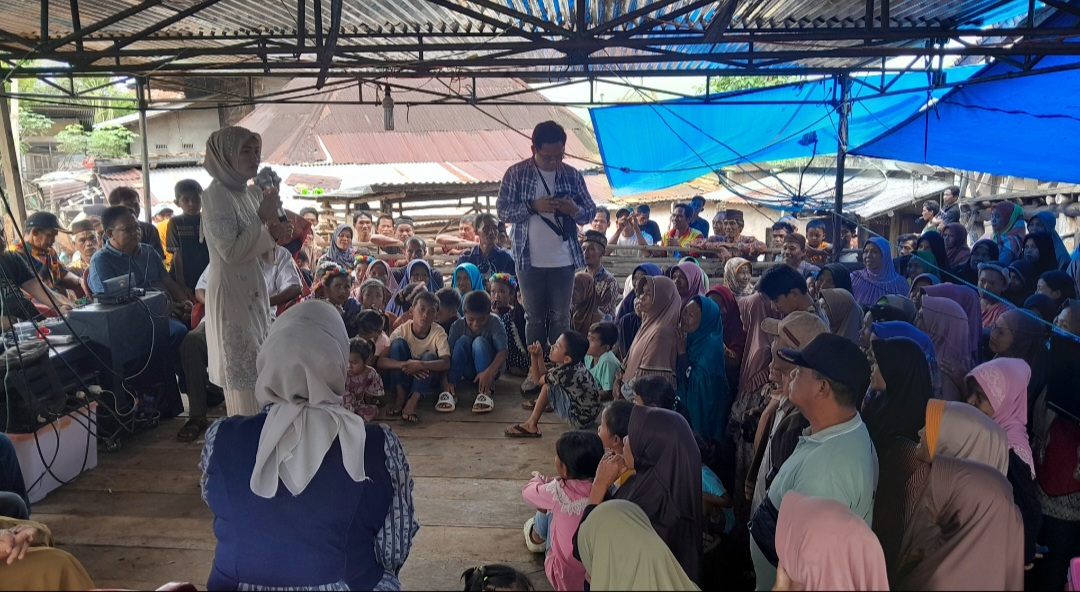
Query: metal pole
x,y
844,110
12,172
140,87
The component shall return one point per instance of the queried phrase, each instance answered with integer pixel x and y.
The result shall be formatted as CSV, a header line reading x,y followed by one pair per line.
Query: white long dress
x,y
237,305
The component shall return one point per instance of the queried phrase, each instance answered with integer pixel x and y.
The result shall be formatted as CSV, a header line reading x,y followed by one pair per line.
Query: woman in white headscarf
x,y
306,495
237,222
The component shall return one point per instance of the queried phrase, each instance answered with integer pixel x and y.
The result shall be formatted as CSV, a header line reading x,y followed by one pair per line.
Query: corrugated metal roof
x,y
384,24
128,177
354,134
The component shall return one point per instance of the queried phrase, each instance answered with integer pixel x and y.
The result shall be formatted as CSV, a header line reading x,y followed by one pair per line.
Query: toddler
x,y
370,325
601,361
560,503
363,385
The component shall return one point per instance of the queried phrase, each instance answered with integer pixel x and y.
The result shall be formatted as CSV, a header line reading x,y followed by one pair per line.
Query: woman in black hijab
x,y
899,411
935,244
667,483
833,275
1039,250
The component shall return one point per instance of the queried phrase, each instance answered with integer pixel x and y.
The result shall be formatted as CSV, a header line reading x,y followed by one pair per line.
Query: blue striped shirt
x,y
519,189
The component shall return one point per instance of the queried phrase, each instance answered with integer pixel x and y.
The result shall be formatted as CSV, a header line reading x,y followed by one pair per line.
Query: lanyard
x,y
543,180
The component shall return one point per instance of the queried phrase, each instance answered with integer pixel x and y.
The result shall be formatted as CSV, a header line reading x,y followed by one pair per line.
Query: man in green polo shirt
x,y
835,458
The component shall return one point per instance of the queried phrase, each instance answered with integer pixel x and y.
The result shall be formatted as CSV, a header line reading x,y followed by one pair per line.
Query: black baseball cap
x,y
43,221
834,357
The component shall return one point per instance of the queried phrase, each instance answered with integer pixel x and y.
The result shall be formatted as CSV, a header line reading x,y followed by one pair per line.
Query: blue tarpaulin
x,y
1022,126
657,145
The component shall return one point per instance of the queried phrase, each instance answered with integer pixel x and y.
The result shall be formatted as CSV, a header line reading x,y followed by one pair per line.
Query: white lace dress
x,y
237,305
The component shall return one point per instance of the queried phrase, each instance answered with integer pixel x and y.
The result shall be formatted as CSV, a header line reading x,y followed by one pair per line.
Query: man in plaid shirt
x,y
545,200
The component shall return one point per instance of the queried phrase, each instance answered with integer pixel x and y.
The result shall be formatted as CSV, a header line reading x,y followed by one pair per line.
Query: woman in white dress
x,y
237,224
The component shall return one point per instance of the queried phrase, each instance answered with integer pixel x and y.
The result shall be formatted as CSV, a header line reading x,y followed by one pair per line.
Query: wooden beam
x,y
12,171
721,21
631,16
183,14
508,27
140,86
76,25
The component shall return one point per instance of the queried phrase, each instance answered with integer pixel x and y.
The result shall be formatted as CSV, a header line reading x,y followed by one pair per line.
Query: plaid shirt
x,y
519,189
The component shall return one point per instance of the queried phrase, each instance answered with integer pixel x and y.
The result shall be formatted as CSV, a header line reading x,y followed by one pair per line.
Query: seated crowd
x,y
853,419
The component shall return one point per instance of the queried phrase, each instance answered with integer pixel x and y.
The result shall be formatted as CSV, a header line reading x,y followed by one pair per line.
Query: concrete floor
x,y
138,521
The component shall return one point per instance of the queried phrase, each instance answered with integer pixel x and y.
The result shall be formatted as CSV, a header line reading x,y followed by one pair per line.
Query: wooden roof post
x,y
12,171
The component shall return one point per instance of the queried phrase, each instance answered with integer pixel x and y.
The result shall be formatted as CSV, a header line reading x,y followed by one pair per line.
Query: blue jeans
x,y
542,524
471,356
545,295
17,503
399,350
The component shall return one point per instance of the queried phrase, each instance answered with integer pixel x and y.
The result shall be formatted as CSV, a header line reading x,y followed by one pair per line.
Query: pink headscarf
x,y
968,299
695,277
1005,380
823,545
947,325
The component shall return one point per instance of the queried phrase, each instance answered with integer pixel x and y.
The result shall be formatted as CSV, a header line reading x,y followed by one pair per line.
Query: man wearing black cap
x,y
607,287
17,280
40,231
835,458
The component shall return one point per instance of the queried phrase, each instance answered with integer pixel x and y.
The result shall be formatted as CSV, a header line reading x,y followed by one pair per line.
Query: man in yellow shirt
x,y
162,213
681,235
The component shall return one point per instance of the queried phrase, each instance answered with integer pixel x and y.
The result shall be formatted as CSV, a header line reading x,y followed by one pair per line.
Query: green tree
x,y
32,124
723,84
109,98
110,141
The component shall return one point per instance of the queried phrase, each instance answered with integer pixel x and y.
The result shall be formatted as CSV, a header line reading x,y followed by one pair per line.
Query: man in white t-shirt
x,y
282,283
545,199
628,232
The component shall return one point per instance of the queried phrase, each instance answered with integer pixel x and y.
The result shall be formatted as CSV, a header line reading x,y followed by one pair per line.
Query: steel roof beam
x,y
644,27
720,21
105,22
504,26
163,23
633,15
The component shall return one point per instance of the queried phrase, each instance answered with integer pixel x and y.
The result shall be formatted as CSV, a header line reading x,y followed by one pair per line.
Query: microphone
x,y
268,179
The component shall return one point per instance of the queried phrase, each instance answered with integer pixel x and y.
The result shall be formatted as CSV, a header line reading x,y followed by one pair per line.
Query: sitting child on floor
x,y
600,360
560,503
569,386
418,353
449,305
373,296
363,385
495,576
370,325
504,302
478,353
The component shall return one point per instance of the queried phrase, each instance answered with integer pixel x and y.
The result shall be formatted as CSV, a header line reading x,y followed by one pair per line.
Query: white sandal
x,y
529,544
483,404
447,403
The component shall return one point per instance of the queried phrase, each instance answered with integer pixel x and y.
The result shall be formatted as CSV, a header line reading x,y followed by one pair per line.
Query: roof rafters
x,y
449,38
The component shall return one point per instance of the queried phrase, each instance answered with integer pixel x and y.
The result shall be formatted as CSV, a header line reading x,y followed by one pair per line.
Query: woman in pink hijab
x,y
999,389
823,545
689,280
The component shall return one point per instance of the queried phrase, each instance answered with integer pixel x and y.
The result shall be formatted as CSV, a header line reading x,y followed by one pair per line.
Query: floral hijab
x,y
731,269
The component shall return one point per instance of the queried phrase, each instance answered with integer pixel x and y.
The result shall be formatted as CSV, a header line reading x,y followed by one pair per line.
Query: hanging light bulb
x,y
388,110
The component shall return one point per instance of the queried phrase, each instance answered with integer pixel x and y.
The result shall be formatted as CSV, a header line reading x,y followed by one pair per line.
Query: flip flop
x,y
192,429
483,404
410,418
447,403
518,431
531,404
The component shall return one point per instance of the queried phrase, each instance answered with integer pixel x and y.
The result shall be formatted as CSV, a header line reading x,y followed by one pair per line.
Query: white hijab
x,y
302,367
229,196
222,151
